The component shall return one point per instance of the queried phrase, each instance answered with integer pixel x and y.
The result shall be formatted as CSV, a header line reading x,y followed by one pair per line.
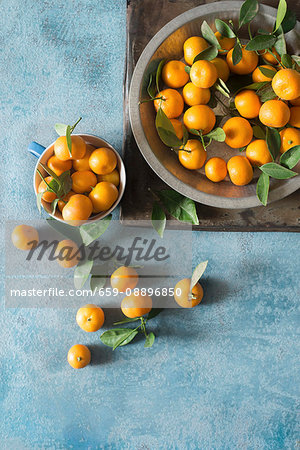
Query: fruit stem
x,y
79,358
75,124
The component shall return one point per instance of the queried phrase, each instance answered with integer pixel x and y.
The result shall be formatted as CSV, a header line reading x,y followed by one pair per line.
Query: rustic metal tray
x,y
137,203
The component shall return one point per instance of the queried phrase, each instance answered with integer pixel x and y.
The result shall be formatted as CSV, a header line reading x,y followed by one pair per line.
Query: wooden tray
x,y
144,19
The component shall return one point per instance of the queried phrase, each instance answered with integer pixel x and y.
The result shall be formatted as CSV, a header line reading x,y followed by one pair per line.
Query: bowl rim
x,y
122,173
286,188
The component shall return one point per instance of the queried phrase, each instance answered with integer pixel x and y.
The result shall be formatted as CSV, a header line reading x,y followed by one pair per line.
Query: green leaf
x,y
219,86
224,29
281,12
291,157
166,130
60,129
237,54
185,137
218,134
258,132
296,58
253,86
82,272
97,282
150,338
187,69
288,22
66,230
50,172
153,313
262,188
151,86
266,92
287,61
248,11
118,337
276,171
280,45
54,205
158,73
209,35
267,72
208,54
273,142
158,219
69,140
65,183
260,42
92,231
180,207
197,274
39,196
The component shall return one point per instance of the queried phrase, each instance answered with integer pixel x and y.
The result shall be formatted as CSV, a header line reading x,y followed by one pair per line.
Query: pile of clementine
x,y
187,92
94,174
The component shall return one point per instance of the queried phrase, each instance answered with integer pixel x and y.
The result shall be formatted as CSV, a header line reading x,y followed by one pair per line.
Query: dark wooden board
x,y
144,19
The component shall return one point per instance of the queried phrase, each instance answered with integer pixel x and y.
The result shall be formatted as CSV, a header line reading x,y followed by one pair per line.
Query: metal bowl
x,y
168,43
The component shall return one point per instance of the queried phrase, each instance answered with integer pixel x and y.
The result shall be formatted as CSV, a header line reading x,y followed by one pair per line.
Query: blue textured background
x,y
223,375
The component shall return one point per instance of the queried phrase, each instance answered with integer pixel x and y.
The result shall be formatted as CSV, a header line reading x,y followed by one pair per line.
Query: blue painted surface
x,y
224,375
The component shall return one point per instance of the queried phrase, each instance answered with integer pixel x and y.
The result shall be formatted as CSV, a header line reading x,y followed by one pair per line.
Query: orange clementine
x,y
286,84
222,68
178,127
172,103
239,170
48,196
268,57
112,177
193,156
61,148
258,153
246,65
67,253
124,278
258,76
79,208
216,169
79,356
194,95
192,47
182,294
274,113
103,196
199,117
83,181
290,137
83,163
295,102
238,132
90,318
295,116
225,43
62,202
247,103
136,305
58,166
24,237
174,74
103,161
203,74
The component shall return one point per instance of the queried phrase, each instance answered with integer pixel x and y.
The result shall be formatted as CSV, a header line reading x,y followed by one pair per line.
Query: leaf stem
x,y
151,100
